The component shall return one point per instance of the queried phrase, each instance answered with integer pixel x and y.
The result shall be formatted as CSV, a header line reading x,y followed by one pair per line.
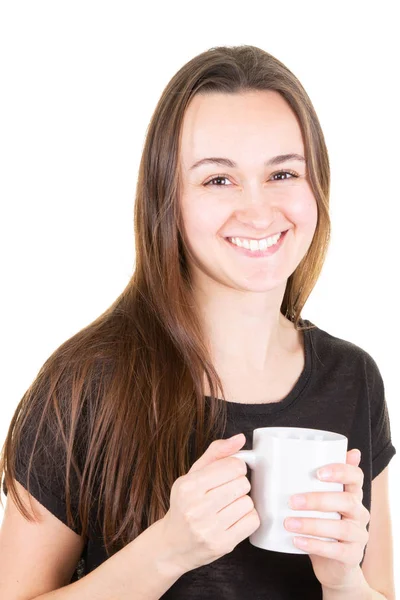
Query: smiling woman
x,y
122,436
259,131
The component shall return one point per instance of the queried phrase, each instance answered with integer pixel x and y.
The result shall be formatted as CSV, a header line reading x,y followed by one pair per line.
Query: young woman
x,y
121,444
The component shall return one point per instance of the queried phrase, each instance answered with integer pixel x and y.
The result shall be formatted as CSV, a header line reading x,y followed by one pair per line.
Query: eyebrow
x,y
227,162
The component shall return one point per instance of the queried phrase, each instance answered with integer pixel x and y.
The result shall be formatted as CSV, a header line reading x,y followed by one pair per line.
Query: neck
x,y
244,329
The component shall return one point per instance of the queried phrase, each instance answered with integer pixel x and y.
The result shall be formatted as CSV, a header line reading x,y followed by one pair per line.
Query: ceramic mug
x,y
284,462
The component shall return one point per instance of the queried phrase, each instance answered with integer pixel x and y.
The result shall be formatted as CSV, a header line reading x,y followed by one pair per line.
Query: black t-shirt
x,y
340,389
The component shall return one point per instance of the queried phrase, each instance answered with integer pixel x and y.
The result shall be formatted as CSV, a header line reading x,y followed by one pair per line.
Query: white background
x,y
79,83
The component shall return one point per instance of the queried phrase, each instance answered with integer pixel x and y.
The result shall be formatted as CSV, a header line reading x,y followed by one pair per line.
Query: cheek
x,y
304,210
202,220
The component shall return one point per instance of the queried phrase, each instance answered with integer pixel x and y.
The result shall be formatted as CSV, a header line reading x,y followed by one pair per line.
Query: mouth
x,y
259,253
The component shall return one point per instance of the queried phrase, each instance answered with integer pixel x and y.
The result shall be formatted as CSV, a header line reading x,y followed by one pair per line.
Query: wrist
x,y
165,559
358,589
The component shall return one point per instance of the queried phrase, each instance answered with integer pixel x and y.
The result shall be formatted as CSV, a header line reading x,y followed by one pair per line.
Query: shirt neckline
x,y
238,408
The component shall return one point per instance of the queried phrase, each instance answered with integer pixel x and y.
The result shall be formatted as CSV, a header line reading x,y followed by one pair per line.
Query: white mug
x,y
284,462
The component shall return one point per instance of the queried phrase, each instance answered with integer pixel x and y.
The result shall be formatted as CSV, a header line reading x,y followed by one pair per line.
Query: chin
x,y
257,283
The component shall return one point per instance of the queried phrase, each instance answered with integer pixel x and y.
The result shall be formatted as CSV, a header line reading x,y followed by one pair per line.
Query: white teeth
x,y
256,244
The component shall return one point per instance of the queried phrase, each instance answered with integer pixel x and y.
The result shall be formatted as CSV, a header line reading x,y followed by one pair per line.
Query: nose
x,y
256,210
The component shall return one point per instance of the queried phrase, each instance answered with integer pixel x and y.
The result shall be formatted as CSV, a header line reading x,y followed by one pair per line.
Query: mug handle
x,y
249,457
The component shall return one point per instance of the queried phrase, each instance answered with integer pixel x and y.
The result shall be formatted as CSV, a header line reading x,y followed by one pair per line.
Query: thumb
x,y
219,449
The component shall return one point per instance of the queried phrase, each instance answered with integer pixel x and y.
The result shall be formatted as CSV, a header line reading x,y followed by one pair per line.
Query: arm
x,y
378,561
377,569
363,592
142,570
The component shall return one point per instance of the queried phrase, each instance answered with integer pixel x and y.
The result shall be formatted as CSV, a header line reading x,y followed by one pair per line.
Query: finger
x,y
353,456
349,474
353,459
345,503
347,553
220,448
342,530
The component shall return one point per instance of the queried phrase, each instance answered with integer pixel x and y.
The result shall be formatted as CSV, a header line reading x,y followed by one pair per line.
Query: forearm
x,y
142,570
361,591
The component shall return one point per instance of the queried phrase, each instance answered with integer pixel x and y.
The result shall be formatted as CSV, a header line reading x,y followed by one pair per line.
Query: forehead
x,y
232,125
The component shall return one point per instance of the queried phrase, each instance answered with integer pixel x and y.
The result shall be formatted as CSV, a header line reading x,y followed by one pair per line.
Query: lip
x,y
259,253
254,238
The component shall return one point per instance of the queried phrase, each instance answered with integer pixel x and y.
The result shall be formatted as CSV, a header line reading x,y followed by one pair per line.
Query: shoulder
x,y
335,351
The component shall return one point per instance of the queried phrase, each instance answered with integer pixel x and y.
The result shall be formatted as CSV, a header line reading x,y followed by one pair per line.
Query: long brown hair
x,y
124,397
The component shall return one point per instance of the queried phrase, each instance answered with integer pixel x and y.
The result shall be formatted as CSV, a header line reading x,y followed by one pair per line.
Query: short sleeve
x,y
46,496
383,449
48,468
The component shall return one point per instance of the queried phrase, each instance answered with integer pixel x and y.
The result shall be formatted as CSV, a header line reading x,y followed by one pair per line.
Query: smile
x,y
258,248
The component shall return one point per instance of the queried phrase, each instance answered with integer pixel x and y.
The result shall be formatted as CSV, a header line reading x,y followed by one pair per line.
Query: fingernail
x,y
324,473
357,453
301,541
298,501
293,523
234,437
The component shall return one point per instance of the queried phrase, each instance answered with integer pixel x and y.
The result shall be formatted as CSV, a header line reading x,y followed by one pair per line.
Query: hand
x,y
210,509
337,564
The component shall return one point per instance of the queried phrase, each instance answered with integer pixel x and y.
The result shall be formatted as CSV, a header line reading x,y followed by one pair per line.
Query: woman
x,y
124,430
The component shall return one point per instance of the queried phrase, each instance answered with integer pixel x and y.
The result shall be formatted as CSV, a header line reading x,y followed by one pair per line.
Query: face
x,y
251,200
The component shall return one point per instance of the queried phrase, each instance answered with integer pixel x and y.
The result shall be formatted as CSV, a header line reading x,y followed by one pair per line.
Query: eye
x,y
291,173
218,178
221,177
